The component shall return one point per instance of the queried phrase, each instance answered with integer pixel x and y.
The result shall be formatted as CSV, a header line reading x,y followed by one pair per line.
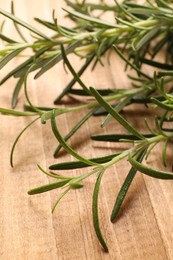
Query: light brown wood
x,y
28,230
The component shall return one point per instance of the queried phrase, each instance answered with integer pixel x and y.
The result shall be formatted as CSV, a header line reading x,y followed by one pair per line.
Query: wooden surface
x,y
28,230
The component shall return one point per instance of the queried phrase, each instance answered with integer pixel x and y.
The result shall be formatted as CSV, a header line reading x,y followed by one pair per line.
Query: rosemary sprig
x,y
138,35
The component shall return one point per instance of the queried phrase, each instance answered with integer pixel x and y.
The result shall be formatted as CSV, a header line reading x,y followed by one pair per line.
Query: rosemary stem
x,y
156,139
139,145
84,176
118,31
58,111
117,158
119,96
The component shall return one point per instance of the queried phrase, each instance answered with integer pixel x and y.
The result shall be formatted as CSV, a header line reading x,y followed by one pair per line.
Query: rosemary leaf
x,y
124,189
95,212
150,171
48,187
114,114
66,146
80,164
22,23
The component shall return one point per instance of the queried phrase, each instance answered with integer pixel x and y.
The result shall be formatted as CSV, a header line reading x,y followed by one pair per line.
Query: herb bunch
x,y
139,35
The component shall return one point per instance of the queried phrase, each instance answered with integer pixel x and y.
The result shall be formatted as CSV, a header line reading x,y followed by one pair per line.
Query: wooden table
x,y
28,230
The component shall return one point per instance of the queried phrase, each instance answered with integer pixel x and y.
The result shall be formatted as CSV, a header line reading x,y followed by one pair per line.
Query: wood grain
x,y
144,228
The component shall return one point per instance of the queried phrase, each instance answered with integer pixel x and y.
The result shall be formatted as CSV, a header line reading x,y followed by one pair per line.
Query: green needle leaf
x,y
10,56
76,185
117,137
150,171
164,153
59,198
66,146
47,24
115,114
162,104
24,65
95,212
147,37
130,64
22,23
75,75
79,164
16,92
53,175
73,81
74,129
125,187
92,19
81,92
17,139
6,39
56,58
48,187
16,25
163,4
165,73
156,64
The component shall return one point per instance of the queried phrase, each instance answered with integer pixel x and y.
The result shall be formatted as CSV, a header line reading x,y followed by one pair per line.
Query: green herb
x,y
139,33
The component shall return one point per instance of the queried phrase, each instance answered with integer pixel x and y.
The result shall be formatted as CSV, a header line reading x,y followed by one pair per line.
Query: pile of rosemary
x,y
138,34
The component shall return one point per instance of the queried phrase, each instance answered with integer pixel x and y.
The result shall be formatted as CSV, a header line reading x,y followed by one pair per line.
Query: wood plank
x,y
144,228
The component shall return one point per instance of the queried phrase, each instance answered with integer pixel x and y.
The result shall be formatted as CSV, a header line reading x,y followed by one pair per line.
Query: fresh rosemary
x,y
139,34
